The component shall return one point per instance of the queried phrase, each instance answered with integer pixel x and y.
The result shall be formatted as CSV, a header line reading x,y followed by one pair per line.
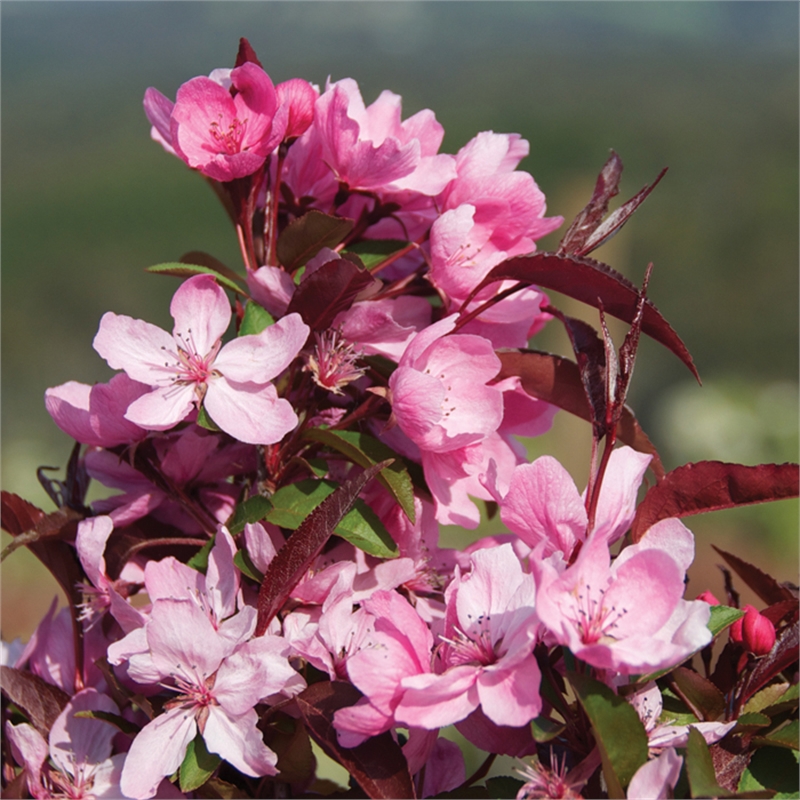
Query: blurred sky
x,y
709,89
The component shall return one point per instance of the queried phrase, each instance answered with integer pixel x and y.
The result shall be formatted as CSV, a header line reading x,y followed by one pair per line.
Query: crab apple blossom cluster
x,y
270,571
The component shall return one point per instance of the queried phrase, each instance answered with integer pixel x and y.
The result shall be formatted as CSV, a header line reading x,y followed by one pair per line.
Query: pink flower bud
x,y
758,632
735,631
708,597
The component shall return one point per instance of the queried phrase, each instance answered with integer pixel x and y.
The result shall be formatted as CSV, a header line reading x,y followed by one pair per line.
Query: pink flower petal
x,y
201,312
239,742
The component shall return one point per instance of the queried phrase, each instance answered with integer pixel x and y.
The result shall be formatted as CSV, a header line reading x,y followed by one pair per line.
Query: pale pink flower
x,y
80,749
192,367
656,778
95,415
399,646
226,135
217,687
486,656
628,616
542,503
439,390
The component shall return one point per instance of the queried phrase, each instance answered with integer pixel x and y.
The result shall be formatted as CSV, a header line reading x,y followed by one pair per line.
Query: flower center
x,y
594,619
229,140
474,649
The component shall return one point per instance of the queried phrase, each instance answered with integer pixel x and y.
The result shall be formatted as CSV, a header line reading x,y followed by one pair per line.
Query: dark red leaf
x,y
245,54
730,757
582,227
711,486
378,765
305,236
593,283
764,585
305,544
17,515
616,219
591,357
329,290
700,694
557,380
784,654
41,701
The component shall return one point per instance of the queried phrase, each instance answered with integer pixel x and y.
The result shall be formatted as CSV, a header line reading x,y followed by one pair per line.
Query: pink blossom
x,y
217,692
440,395
226,136
656,778
79,748
628,616
370,148
399,647
95,415
543,505
192,367
486,656
298,97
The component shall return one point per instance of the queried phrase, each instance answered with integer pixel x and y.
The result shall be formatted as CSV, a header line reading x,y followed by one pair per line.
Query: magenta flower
x,y
191,367
224,135
370,148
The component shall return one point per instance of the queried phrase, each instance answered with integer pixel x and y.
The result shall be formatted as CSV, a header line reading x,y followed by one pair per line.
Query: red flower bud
x,y
758,632
708,597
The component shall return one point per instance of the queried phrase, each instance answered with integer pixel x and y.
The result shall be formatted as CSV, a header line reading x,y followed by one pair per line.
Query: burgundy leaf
x,y
711,486
305,544
591,357
699,693
764,585
784,654
17,515
304,237
730,757
41,701
378,765
616,219
330,289
557,380
590,217
593,283
245,54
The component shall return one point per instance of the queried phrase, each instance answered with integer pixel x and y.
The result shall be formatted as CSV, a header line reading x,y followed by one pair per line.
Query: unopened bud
x,y
754,631
708,597
758,632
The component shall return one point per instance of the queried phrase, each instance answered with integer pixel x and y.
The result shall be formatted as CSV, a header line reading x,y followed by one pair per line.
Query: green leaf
x,y
198,765
786,736
204,420
304,237
199,560
722,617
179,270
243,563
254,509
365,451
375,251
361,526
256,319
618,731
502,786
772,768
112,719
769,696
752,721
700,768
544,729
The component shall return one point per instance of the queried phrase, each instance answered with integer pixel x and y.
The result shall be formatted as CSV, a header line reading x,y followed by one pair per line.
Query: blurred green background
x,y
709,89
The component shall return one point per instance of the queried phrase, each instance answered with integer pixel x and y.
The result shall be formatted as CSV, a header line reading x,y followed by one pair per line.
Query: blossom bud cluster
x,y
352,337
